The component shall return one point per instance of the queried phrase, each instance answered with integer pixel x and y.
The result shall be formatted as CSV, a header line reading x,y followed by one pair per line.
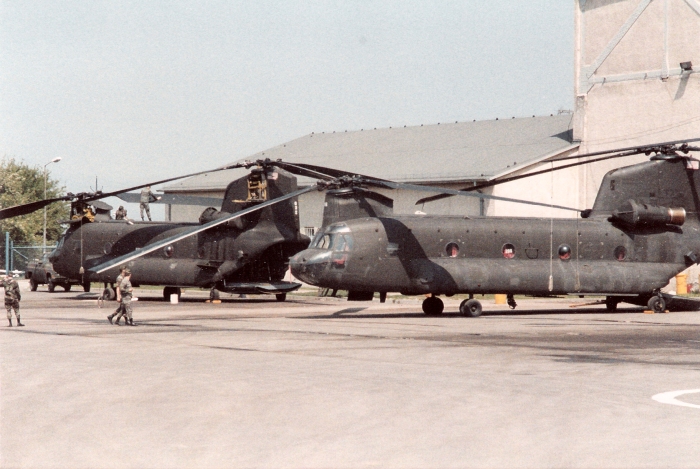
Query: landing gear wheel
x,y
657,304
470,308
214,294
281,296
167,291
611,303
67,286
52,286
108,294
33,285
86,287
433,306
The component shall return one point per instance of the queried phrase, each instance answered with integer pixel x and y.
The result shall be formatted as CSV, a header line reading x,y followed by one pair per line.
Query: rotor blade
x,y
173,199
24,209
153,183
450,192
320,172
637,149
625,152
301,171
193,231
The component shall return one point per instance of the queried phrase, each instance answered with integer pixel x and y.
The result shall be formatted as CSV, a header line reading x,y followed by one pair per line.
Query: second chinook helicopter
x,y
642,230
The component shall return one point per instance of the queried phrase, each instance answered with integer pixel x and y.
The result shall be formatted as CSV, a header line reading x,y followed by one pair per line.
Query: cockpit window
x,y
336,238
335,241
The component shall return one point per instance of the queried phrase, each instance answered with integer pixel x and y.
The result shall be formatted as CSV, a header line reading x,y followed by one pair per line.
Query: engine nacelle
x,y
637,214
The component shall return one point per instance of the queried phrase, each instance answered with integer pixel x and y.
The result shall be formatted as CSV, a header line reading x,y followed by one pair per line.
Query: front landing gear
x,y
433,306
657,304
470,308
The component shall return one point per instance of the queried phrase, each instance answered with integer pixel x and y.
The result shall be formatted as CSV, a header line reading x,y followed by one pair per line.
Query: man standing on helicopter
x,y
146,198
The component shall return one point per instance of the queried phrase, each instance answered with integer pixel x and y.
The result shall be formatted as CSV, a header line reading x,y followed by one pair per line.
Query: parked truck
x,y
40,272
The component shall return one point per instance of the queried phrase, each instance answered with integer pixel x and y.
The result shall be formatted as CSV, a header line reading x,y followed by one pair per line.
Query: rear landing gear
x,y
167,291
433,306
281,296
470,308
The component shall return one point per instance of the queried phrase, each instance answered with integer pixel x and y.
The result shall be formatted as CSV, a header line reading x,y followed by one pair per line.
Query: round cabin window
x,y
107,248
452,249
168,251
620,253
564,252
508,251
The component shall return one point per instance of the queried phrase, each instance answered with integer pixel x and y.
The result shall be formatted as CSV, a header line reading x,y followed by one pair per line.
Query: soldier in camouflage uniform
x,y
121,213
127,292
146,198
12,297
119,312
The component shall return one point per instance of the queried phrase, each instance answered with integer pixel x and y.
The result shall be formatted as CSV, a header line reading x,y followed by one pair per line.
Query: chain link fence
x,y
16,258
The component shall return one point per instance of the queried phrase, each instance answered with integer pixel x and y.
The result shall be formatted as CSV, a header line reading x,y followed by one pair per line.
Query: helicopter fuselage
x,y
222,254
449,255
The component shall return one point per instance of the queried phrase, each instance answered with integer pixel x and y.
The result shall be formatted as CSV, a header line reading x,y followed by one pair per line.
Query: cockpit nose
x,y
328,253
54,256
308,265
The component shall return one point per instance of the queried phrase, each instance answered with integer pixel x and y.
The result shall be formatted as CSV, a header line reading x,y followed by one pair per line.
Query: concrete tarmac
x,y
324,383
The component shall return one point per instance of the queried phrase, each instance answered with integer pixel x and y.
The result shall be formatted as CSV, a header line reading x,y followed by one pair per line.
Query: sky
x,y
133,91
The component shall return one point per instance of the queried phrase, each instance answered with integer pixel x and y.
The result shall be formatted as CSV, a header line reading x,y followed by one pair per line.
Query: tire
x,y
657,304
611,304
33,285
108,294
52,286
433,306
67,286
281,296
86,287
470,308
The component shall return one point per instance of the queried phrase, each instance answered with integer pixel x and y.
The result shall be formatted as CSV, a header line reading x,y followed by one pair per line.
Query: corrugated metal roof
x,y
445,152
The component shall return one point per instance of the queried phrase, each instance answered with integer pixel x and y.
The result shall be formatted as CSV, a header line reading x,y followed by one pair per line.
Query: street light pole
x,y
55,160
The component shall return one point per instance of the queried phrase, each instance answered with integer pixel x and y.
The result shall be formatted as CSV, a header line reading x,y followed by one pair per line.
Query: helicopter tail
x,y
662,191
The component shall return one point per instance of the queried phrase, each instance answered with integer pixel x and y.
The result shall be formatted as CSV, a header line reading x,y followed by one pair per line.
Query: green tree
x,y
21,184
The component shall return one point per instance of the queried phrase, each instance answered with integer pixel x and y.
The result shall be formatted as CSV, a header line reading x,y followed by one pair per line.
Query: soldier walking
x,y
119,312
127,292
12,297
146,198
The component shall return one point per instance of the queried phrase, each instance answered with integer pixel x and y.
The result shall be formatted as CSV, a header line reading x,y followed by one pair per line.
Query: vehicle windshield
x,y
335,238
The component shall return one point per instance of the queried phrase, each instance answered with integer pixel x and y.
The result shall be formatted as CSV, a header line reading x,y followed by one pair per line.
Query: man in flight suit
x,y
146,198
12,297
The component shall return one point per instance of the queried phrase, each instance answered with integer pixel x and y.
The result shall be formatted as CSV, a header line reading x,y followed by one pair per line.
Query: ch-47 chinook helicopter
x,y
247,253
643,229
